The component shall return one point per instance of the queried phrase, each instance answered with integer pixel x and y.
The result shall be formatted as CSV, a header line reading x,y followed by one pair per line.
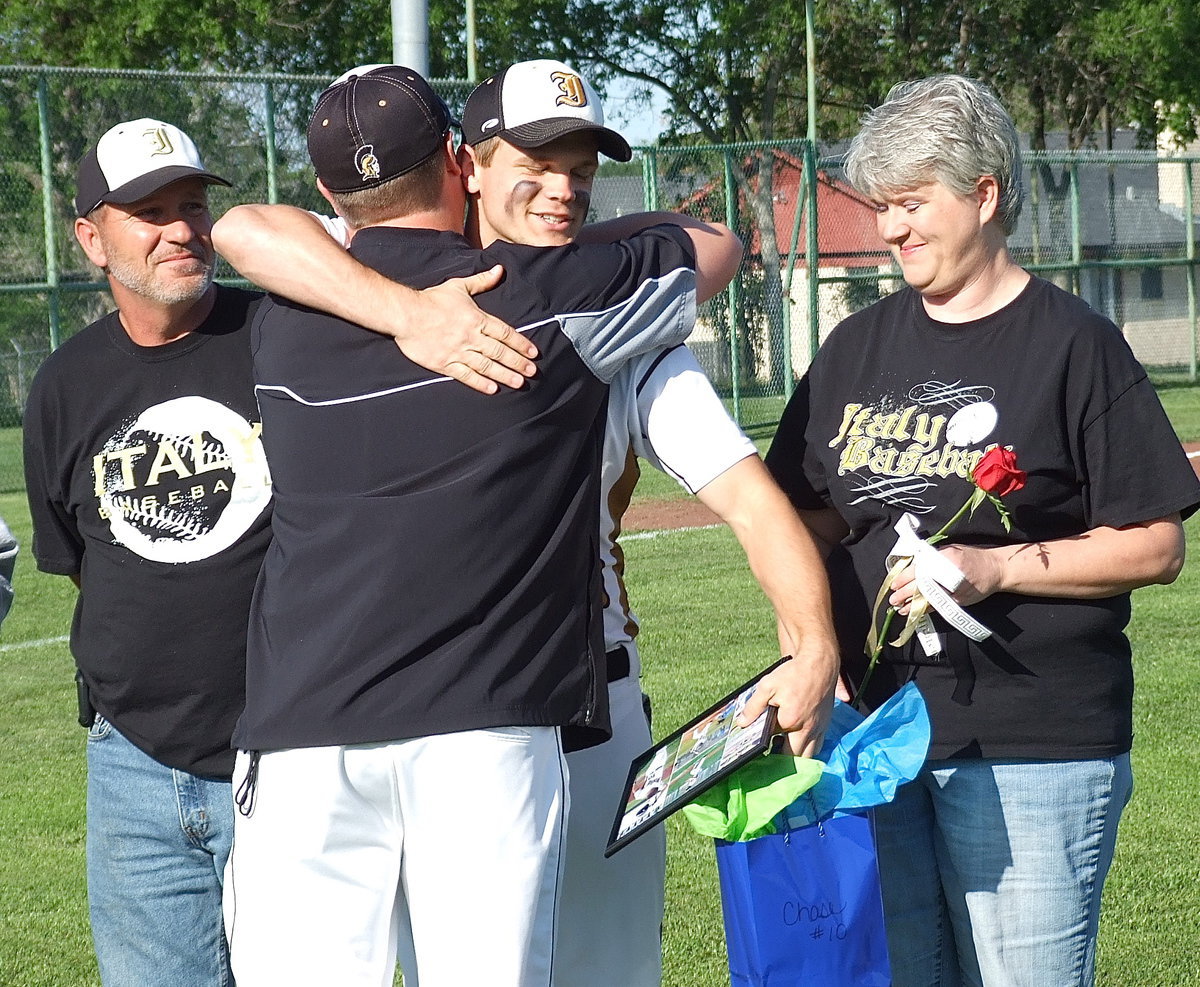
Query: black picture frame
x,y
690,760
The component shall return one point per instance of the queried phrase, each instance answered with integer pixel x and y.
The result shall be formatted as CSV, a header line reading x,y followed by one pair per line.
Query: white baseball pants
x,y
610,921
444,849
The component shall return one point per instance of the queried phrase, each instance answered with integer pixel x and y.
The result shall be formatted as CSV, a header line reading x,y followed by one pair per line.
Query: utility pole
x,y
472,70
410,34
811,64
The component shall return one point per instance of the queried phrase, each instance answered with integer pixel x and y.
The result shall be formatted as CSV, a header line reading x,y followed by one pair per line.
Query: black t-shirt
x,y
435,565
147,479
892,417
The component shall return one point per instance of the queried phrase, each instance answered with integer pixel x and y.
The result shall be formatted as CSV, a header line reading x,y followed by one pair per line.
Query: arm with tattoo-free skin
x,y
1098,563
787,563
288,252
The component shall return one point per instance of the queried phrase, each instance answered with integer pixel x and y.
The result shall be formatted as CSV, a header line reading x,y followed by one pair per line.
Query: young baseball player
x,y
529,185
533,134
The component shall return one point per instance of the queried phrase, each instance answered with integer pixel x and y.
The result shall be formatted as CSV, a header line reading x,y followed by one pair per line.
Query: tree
x,y
247,35
731,70
1080,65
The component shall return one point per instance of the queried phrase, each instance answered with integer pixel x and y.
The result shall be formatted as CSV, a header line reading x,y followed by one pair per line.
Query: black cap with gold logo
x,y
374,123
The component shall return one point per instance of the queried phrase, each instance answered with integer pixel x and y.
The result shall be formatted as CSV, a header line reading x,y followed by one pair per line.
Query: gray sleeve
x,y
661,312
8,560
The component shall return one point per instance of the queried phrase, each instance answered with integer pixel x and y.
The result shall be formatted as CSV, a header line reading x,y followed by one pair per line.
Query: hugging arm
x,y
718,249
288,252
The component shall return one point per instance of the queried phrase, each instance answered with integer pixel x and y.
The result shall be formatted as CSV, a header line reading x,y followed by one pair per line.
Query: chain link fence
x,y
1118,228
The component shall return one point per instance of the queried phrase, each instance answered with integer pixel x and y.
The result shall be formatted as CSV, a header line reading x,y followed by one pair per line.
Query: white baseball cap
x,y
532,103
134,159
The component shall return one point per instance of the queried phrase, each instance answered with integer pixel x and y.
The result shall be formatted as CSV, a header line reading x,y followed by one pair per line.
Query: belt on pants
x,y
617,662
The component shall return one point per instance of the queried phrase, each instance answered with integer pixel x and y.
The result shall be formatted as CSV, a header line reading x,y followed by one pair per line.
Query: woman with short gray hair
x,y
947,129
992,861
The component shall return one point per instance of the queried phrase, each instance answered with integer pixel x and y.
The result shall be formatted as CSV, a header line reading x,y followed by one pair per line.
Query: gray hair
x,y
945,128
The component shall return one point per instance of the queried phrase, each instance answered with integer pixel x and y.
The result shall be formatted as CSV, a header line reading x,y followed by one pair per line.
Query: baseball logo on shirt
x,y
183,481
971,424
895,452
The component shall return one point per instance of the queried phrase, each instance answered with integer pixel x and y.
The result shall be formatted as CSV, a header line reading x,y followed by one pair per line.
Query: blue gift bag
x,y
802,907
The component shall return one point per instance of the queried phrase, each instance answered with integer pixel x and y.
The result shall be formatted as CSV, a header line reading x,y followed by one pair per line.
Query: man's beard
x,y
141,281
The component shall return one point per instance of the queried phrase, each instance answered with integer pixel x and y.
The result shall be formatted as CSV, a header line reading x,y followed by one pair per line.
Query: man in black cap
x,y
149,488
403,734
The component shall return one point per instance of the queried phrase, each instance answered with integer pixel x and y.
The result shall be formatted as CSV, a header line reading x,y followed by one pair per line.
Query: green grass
x,y
44,938
708,631
12,476
1182,403
707,628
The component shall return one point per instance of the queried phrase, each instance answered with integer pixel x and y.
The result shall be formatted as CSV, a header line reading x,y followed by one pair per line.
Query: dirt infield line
x,y
687,512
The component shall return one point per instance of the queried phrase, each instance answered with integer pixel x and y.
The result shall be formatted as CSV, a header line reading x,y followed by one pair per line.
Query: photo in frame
x,y
690,760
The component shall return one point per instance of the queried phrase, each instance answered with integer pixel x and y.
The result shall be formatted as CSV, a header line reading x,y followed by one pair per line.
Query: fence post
x,y
789,384
650,179
734,292
812,253
1190,219
1034,203
49,220
1076,232
269,107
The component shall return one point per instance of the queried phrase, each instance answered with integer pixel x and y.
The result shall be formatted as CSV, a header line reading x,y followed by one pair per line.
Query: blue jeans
x,y
157,842
992,870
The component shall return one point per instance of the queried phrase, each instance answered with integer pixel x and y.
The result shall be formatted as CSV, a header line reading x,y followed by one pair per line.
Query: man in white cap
x,y
533,133
149,488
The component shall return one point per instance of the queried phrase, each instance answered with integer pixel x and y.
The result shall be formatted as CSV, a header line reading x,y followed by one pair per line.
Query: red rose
x,y
997,474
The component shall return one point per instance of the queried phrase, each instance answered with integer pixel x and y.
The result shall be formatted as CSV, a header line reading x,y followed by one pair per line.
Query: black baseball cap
x,y
532,103
134,159
374,123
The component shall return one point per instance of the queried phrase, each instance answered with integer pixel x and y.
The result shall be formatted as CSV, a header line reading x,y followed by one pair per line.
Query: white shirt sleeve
x,y
681,424
335,226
